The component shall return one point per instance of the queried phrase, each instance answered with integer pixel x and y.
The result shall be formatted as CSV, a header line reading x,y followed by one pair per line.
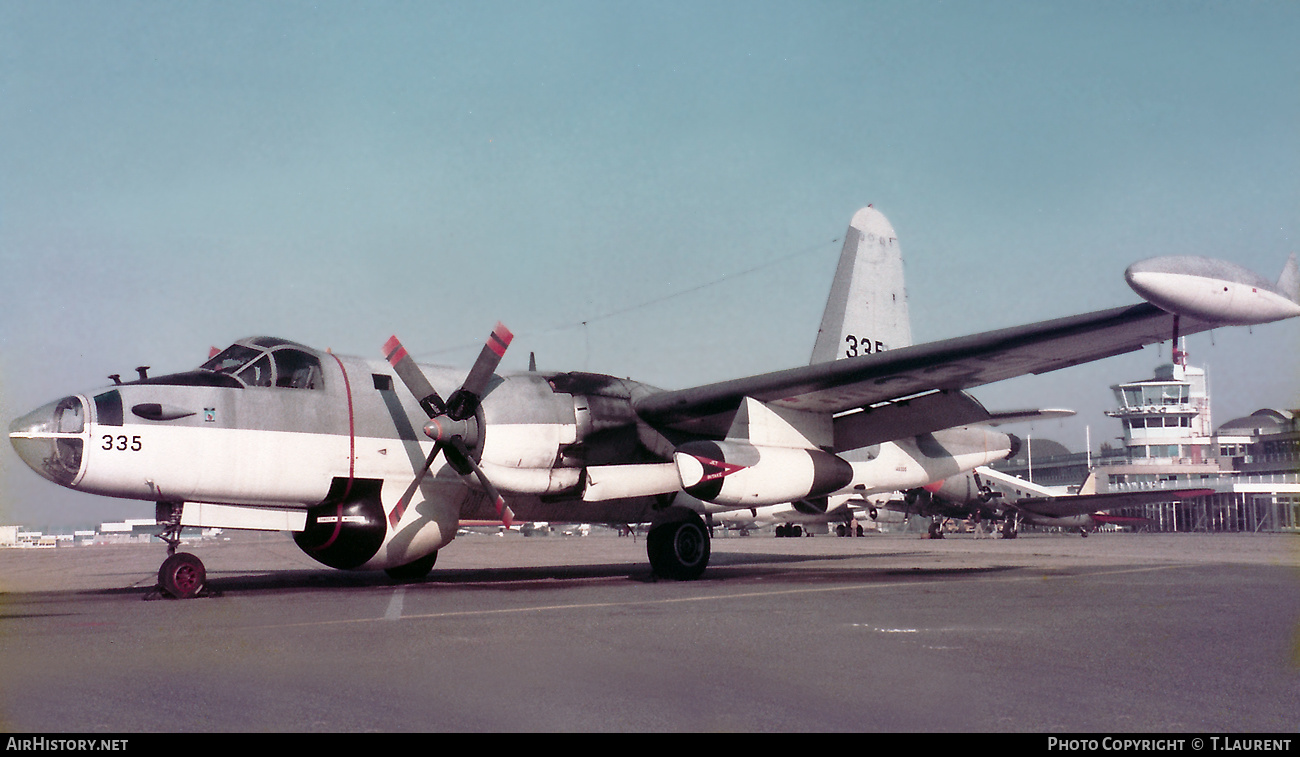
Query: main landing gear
x,y
182,575
849,529
1010,529
679,549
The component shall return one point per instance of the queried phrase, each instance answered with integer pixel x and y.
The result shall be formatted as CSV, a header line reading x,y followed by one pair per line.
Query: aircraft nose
x,y
51,438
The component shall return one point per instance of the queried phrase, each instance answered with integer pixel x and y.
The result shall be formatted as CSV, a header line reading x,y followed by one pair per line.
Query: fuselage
x,y
273,424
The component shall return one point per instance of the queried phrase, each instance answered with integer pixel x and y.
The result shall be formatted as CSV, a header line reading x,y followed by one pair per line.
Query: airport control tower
x,y
1166,418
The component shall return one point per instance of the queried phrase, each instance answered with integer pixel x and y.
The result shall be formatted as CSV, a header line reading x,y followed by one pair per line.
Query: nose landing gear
x,y
182,575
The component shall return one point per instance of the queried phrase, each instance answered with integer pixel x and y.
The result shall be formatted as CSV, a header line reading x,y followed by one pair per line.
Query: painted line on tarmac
x,y
707,597
394,611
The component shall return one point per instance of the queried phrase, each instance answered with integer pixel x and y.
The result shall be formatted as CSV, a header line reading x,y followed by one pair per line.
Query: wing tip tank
x,y
1215,290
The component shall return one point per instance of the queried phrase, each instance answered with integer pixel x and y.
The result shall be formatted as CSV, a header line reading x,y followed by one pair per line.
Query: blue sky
x,y
179,175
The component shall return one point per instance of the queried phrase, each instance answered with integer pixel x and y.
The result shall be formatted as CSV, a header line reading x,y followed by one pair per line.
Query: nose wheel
x,y
182,575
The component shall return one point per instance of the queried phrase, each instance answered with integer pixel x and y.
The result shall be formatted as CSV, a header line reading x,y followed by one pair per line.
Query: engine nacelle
x,y
346,530
748,475
354,528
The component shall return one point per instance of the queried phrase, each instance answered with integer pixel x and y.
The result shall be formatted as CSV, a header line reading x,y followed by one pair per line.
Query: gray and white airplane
x,y
370,468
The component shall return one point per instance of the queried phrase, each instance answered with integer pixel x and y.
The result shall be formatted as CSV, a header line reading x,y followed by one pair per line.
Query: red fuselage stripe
x,y
352,456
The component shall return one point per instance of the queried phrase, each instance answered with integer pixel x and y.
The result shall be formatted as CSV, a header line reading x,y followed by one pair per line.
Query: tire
x,y
182,576
413,571
679,550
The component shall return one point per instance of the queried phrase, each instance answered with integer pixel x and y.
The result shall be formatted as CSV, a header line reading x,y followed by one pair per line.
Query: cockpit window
x,y
258,373
231,359
268,341
284,366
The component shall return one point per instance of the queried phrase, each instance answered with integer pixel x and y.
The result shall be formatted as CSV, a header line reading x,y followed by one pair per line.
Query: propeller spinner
x,y
450,422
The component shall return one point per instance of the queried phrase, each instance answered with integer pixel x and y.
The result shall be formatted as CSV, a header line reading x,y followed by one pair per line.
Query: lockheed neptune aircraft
x,y
370,468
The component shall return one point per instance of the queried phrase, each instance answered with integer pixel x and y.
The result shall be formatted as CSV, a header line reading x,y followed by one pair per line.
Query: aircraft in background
x,y
987,495
371,468
866,313
790,519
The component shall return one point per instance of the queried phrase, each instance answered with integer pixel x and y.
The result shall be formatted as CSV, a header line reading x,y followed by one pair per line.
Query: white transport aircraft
x,y
370,468
988,495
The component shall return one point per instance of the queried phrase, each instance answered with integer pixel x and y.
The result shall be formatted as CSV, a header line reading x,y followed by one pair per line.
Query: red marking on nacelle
x,y
722,470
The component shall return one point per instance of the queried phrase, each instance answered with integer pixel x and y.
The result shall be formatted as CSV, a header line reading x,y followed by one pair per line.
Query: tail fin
x,y
867,308
1288,284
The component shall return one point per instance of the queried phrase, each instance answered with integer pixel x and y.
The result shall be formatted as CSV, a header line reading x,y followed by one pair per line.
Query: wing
x,y
945,366
1081,504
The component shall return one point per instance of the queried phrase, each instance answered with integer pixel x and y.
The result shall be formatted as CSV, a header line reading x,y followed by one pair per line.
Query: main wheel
x,y
182,575
413,571
679,550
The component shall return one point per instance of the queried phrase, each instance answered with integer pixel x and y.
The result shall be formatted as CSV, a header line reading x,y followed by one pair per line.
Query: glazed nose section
x,y
51,438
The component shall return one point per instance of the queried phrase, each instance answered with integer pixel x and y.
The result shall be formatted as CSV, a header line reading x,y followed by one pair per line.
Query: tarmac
x,y
1047,633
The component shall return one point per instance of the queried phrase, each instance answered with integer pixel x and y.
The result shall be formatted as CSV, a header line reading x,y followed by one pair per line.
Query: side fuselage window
x,y
295,369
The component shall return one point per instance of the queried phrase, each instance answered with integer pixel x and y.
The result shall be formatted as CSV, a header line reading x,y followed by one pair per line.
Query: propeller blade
x,y
507,517
465,400
413,377
396,515
449,434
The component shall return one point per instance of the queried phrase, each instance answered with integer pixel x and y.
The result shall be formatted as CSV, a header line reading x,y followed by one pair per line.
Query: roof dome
x,y
1264,421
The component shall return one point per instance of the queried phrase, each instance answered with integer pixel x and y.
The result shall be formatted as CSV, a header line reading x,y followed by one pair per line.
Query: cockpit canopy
x,y
268,361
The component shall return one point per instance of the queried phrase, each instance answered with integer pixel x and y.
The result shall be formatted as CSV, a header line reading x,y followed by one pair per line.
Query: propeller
x,y
986,492
918,500
451,422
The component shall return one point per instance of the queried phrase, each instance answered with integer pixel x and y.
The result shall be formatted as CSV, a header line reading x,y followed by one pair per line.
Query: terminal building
x,y
1252,464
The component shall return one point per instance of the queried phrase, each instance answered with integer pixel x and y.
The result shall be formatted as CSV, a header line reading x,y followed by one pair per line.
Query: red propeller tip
x,y
500,339
394,350
507,517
